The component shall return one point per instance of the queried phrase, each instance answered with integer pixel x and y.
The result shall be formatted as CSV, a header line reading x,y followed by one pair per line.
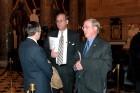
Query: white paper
x,y
79,55
53,42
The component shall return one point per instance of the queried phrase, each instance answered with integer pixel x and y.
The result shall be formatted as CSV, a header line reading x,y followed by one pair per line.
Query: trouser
x,y
138,86
67,77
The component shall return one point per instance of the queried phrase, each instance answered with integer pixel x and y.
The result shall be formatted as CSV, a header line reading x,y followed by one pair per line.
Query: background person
x,y
134,61
34,62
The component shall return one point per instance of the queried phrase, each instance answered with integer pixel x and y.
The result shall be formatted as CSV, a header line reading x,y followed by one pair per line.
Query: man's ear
x,y
67,22
95,28
36,33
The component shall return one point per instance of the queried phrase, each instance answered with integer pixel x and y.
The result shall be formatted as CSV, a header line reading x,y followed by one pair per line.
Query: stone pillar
x,y
82,16
6,7
45,13
73,14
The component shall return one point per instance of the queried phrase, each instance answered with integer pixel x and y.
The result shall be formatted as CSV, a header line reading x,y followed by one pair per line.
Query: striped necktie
x,y
60,50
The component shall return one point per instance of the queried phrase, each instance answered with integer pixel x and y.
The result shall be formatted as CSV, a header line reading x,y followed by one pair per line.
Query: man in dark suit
x,y
34,62
134,61
96,61
71,40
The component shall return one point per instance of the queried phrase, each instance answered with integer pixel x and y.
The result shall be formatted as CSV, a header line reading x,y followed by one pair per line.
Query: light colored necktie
x,y
60,50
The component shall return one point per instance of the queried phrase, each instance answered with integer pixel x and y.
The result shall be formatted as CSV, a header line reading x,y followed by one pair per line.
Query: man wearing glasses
x,y
96,61
62,56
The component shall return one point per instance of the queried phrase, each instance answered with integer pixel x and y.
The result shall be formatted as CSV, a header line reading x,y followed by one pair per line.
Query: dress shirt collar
x,y
64,32
33,39
91,41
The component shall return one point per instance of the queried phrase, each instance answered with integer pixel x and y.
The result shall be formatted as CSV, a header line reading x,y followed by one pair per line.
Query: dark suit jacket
x,y
96,65
134,59
35,66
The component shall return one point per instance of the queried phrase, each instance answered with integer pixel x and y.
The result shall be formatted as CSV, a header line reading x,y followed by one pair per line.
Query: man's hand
x,y
54,54
78,65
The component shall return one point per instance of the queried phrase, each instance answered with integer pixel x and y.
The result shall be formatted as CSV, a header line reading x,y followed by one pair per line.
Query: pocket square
x,y
72,44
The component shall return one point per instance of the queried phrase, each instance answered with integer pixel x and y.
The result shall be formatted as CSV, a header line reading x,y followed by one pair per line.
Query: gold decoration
x,y
15,5
28,7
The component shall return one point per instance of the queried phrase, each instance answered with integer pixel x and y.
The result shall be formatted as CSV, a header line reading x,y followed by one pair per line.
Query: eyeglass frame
x,y
60,20
87,27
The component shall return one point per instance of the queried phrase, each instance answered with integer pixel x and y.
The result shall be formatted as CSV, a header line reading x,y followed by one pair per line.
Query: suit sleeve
x,y
48,51
42,63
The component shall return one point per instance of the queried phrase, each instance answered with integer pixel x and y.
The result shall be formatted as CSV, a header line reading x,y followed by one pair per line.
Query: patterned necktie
x,y
60,50
86,49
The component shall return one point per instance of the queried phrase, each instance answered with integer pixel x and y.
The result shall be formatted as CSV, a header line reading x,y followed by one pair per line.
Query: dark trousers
x,y
67,76
55,90
138,86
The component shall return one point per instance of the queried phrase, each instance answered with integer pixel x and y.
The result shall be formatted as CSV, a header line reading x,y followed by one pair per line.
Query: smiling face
x,y
90,31
61,22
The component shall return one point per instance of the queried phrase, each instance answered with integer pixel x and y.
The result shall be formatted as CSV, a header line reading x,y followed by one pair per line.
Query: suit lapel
x,y
69,36
82,47
92,47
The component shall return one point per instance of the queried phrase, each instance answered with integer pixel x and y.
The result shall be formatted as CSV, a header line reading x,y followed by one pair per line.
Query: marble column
x,y
73,14
6,7
45,13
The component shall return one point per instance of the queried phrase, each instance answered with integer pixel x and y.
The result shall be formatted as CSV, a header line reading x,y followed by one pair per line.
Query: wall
x,y
103,10
6,10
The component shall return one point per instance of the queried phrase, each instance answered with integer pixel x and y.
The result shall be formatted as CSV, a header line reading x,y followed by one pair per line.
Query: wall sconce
x,y
102,30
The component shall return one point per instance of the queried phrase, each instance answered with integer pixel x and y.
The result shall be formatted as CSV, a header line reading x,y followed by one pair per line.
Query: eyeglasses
x,y
60,21
87,27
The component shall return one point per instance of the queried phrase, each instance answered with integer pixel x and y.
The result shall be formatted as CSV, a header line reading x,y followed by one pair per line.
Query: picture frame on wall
x,y
116,32
116,29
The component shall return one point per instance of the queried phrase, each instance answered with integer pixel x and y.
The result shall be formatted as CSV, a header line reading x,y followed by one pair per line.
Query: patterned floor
x,y
11,85
6,86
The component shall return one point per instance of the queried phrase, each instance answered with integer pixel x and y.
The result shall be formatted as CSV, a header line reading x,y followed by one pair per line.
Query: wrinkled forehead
x,y
60,16
87,23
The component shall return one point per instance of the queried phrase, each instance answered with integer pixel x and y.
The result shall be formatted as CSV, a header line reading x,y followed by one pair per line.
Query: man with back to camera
x,y
33,59
70,42
96,61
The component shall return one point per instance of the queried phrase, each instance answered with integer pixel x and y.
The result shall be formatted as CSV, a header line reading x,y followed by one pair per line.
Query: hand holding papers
x,y
54,54
53,42
78,63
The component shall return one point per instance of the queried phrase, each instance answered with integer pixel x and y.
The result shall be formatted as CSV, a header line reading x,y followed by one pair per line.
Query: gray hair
x,y
32,27
95,23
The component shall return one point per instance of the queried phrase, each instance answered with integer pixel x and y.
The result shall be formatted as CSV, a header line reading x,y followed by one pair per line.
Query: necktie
x,y
86,49
60,50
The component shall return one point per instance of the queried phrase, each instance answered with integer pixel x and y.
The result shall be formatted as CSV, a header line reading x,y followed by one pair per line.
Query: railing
x,y
11,85
31,89
117,68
